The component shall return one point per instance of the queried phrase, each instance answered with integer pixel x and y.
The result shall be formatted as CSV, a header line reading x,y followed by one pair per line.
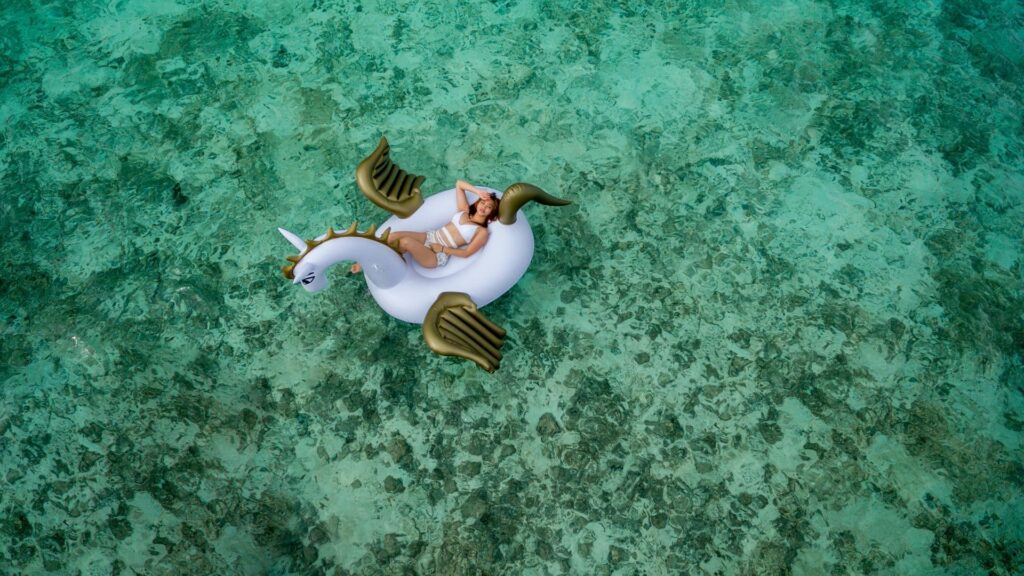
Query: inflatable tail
x,y
517,195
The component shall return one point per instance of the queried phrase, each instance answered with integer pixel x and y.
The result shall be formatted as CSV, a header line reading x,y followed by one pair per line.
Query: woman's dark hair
x,y
490,217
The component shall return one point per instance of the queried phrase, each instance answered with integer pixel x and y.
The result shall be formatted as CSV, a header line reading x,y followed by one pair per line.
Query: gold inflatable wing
x,y
387,185
454,327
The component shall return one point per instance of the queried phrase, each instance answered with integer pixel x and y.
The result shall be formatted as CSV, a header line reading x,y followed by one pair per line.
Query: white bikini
x,y
443,237
467,230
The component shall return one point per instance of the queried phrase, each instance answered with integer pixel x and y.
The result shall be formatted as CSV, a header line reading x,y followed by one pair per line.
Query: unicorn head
x,y
379,255
310,276
304,271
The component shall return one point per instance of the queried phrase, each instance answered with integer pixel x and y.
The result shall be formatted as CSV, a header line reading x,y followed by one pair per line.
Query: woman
x,y
467,228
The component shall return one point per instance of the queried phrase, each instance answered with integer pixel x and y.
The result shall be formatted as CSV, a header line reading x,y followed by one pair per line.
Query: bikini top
x,y
467,230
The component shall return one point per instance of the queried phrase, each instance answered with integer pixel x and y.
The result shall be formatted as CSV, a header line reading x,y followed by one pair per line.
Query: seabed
x,y
780,330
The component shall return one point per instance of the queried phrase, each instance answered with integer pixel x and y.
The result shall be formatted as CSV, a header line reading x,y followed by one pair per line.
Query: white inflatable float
x,y
445,299
402,287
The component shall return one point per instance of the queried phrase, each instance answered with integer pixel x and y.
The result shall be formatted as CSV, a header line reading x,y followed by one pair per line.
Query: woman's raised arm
x,y
460,195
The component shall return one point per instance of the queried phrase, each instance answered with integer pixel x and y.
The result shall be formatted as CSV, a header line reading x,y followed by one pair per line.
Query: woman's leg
x,y
425,256
420,237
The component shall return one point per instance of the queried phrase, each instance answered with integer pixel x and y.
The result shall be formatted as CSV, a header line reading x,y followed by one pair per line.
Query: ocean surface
x,y
779,330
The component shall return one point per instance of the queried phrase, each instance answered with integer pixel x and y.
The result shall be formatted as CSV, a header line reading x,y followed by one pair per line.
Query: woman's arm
x,y
479,239
460,194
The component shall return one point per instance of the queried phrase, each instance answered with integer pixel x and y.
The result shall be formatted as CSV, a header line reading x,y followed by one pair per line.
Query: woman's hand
x,y
467,186
436,247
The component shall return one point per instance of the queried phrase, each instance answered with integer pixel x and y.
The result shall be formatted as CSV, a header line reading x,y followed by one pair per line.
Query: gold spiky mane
x,y
289,271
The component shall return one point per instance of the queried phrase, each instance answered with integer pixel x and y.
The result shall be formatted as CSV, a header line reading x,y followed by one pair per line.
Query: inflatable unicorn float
x,y
446,300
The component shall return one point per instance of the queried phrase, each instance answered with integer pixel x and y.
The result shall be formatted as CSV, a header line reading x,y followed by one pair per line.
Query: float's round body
x,y
484,276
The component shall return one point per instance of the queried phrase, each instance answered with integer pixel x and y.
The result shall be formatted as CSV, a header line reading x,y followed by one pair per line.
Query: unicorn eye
x,y
308,280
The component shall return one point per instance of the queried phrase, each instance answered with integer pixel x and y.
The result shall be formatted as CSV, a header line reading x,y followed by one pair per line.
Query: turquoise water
x,y
779,331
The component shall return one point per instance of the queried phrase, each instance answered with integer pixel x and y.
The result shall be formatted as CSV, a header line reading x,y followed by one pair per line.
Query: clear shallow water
x,y
779,331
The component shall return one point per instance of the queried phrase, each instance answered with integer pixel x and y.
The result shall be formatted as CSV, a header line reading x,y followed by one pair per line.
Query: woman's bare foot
x,y
356,268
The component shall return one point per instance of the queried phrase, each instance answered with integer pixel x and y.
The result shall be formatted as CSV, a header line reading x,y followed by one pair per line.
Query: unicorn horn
x,y
299,243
